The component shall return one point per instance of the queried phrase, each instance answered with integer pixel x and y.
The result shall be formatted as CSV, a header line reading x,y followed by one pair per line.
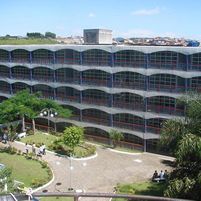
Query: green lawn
x,y
38,138
145,188
56,199
7,41
24,170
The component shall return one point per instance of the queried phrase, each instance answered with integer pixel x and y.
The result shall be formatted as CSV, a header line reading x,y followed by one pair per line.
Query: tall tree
x,y
72,136
185,138
116,136
29,105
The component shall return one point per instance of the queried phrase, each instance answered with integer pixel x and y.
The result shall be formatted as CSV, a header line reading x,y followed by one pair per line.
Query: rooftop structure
x,y
97,36
129,88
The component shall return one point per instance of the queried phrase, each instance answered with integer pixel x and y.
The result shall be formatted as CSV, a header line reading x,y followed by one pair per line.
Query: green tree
x,y
29,105
5,178
50,35
115,136
35,35
73,136
185,138
172,132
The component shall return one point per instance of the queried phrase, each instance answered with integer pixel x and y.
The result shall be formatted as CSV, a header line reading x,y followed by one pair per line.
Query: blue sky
x,y
127,18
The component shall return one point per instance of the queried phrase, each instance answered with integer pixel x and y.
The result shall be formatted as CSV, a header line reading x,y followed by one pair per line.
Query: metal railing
x,y
76,196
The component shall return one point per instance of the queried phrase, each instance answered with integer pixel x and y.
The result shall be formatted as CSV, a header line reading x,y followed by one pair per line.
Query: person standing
x,y
26,148
33,148
44,149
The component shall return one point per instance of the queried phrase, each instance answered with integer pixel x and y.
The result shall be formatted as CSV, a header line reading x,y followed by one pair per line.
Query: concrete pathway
x,y
103,172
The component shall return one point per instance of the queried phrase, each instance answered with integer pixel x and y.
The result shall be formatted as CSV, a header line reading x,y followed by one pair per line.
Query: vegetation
x,y
116,137
26,41
5,178
55,143
21,166
50,35
56,198
73,136
185,138
145,188
29,105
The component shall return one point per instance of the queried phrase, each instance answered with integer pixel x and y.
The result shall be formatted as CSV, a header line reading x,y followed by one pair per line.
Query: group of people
x,y
162,176
41,150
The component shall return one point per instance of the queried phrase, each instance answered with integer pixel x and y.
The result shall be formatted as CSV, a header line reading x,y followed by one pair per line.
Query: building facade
x,y
129,88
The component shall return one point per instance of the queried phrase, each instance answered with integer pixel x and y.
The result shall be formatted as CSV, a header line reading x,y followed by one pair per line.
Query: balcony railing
x,y
74,80
63,97
4,75
76,196
166,88
152,129
95,101
91,81
96,120
126,105
43,78
42,61
164,109
21,76
170,65
130,126
125,63
130,85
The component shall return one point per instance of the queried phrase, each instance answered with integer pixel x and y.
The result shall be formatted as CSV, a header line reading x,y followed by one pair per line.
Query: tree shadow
x,y
168,163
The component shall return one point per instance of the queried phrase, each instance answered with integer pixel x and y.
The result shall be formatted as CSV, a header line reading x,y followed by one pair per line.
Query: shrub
x,y
37,182
30,132
44,164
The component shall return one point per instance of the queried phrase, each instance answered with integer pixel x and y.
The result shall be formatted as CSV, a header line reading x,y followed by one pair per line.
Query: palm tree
x,y
116,136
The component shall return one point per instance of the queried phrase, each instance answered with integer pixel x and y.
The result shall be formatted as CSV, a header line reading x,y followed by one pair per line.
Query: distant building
x,y
97,36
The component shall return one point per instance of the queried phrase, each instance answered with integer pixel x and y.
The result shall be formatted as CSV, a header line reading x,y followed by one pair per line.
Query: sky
x,y
126,18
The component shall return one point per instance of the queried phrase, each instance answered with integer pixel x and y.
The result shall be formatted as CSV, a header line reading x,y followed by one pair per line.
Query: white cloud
x,y
145,12
91,15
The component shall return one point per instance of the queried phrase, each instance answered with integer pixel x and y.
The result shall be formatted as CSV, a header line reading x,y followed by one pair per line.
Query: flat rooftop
x,y
108,48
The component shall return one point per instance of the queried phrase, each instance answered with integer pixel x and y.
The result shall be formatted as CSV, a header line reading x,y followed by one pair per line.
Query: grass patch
x,y
145,188
56,198
38,138
25,170
28,41
83,150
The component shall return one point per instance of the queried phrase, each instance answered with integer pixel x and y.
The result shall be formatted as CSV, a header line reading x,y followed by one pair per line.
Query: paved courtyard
x,y
102,173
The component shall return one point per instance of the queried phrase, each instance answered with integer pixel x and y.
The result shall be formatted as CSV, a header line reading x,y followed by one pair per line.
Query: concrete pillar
x,y
111,120
188,62
112,57
54,76
110,83
9,56
144,135
30,57
80,77
146,61
80,115
10,73
80,97
31,74
110,100
54,58
81,58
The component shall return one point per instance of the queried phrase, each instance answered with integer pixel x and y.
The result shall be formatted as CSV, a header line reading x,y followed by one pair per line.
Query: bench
x,y
21,135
